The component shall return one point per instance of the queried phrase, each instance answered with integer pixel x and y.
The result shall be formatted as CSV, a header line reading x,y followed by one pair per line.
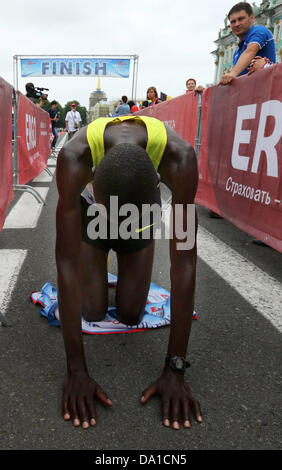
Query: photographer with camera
x,y
34,93
54,118
73,120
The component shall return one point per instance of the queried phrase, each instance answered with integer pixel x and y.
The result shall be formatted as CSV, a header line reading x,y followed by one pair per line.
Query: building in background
x,y
98,104
97,96
269,14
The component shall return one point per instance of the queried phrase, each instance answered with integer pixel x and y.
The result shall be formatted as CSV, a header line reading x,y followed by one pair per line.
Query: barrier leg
x,y
53,154
199,129
59,145
31,190
48,171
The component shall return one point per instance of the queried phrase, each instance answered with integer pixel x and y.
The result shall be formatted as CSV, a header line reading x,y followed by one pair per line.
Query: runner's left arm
x,y
180,174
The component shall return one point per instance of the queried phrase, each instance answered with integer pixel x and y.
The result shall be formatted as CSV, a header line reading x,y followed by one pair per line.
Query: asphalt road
x,y
235,351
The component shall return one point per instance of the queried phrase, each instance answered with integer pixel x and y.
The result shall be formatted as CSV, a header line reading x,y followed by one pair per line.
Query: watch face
x,y
177,363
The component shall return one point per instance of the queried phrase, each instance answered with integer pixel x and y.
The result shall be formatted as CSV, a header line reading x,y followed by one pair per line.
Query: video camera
x,y
36,92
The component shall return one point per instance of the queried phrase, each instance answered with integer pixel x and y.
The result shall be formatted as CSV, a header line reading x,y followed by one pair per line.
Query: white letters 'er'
x,y
266,144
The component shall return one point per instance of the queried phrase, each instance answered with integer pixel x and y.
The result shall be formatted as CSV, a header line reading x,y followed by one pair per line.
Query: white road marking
x,y
10,264
24,214
258,288
26,211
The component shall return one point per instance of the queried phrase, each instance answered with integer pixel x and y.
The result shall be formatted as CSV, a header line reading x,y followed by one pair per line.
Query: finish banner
x,y
180,113
6,163
75,67
34,128
240,164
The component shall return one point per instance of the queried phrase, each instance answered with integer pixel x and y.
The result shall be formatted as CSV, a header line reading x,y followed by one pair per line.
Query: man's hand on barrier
x,y
78,404
199,89
227,78
176,399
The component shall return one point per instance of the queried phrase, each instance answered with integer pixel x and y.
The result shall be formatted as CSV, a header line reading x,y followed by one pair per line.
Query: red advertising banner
x,y
6,164
33,139
240,164
179,113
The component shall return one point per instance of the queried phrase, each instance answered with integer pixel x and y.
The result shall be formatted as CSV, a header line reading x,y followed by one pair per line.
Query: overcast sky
x,y
173,39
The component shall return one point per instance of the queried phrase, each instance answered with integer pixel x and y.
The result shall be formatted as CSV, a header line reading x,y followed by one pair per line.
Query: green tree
x,y
47,105
60,111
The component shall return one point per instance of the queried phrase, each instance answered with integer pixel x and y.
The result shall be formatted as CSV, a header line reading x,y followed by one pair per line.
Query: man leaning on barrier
x,y
124,158
254,40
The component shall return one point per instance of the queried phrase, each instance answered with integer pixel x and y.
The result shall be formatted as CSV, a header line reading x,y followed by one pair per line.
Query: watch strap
x,y
169,361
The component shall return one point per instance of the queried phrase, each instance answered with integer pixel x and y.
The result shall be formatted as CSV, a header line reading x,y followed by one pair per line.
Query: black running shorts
x,y
118,244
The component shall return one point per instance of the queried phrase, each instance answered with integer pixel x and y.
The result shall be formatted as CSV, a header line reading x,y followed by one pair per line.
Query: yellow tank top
x,y
157,137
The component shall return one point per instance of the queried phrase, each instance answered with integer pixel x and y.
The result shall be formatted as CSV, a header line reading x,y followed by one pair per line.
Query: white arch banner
x,y
112,66
75,67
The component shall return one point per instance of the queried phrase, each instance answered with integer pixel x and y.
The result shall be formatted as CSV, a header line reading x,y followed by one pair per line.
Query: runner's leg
x,y
134,278
94,282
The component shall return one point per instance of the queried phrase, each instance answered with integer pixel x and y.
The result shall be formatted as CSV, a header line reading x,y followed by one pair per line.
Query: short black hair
x,y
124,99
126,171
53,102
130,104
241,6
29,86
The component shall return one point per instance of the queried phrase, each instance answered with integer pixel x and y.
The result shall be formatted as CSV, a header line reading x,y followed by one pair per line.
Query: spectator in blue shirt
x,y
123,108
254,41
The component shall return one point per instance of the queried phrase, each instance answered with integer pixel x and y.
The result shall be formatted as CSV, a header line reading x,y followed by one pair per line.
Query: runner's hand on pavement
x,y
177,401
79,391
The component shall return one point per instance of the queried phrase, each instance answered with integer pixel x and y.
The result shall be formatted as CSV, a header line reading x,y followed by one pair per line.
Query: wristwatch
x,y
177,363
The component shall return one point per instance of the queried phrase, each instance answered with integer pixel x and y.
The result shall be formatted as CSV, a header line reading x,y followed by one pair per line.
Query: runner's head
x,y
126,171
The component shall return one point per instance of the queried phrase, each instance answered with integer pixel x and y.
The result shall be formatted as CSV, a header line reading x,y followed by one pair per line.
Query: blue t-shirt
x,y
53,114
263,37
122,110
